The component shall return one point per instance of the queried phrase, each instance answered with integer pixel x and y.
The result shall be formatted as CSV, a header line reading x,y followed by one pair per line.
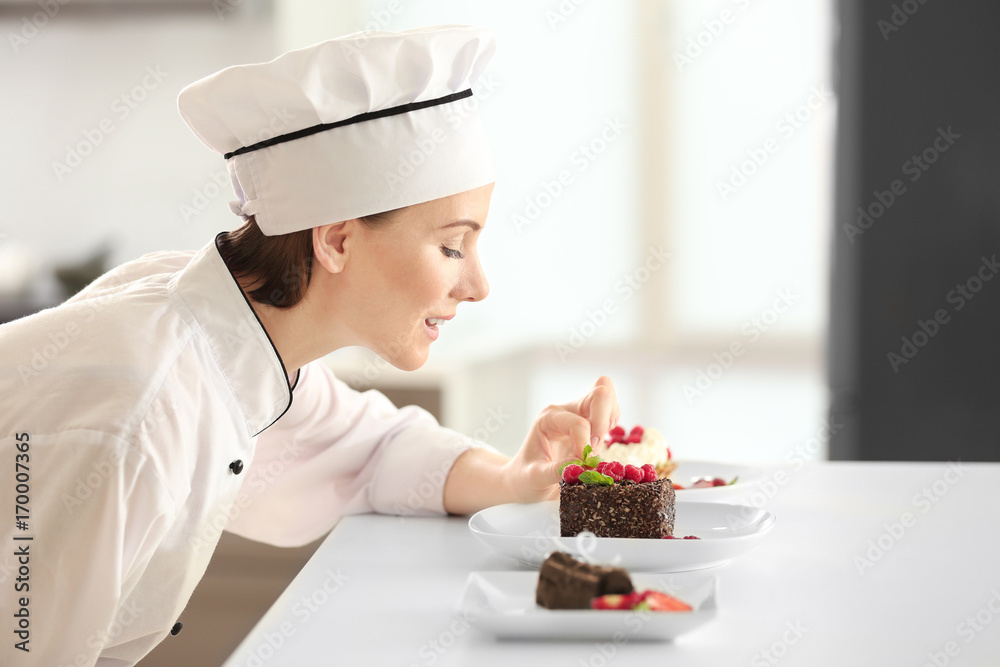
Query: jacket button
x,y
176,630
236,466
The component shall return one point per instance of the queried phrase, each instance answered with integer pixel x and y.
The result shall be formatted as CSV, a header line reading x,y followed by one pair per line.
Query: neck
x,y
294,332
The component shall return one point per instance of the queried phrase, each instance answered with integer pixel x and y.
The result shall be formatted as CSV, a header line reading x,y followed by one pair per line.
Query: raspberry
x,y
691,537
571,473
615,470
617,434
634,474
670,456
670,537
648,473
636,430
601,466
718,482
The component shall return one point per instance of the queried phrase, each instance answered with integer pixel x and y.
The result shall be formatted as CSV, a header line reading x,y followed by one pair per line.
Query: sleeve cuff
x,y
411,473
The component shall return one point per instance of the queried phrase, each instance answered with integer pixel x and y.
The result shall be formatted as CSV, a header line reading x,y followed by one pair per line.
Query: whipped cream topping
x,y
651,449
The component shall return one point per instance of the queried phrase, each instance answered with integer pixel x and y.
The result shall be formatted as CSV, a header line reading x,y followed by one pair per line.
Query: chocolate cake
x,y
567,583
624,509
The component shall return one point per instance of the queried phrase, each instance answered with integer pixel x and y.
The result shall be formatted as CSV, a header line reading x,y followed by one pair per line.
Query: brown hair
x,y
279,266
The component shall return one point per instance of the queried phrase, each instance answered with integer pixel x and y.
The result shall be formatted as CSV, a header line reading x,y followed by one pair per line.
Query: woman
x,y
179,395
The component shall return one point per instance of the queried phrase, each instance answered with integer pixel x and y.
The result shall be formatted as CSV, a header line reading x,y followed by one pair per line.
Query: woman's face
x,y
407,275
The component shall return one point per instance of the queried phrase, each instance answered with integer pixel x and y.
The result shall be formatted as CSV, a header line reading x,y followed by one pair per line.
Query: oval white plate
x,y
687,472
502,604
529,533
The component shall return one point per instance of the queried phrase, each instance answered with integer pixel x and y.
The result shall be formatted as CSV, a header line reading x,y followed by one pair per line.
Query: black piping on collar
x,y
368,115
262,328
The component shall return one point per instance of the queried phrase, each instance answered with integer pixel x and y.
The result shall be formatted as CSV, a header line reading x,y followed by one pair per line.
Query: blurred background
x,y
773,224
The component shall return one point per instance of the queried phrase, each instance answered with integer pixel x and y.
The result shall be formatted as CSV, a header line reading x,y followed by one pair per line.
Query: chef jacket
x,y
149,413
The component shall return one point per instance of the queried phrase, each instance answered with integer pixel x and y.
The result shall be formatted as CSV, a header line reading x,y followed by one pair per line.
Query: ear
x,y
331,244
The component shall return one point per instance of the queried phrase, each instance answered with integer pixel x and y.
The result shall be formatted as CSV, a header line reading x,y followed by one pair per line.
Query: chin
x,y
406,360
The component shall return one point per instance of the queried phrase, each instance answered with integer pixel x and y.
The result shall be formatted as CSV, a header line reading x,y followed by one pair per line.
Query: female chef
x,y
180,394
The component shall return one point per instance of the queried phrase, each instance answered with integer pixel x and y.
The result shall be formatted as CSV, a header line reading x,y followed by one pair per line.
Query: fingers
x,y
600,408
566,432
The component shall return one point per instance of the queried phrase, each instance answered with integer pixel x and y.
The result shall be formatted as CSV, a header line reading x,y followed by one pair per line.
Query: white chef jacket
x,y
135,403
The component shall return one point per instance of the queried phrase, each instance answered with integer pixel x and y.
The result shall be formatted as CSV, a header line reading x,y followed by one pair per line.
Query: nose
x,y
473,285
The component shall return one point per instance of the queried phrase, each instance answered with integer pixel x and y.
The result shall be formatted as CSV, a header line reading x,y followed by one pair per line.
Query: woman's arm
x,y
482,478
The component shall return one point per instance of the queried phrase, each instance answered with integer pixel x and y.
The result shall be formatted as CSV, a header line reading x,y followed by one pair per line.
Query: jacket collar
x,y
242,347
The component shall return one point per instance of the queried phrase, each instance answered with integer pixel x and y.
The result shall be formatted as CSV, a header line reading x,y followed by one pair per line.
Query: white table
x,y
384,590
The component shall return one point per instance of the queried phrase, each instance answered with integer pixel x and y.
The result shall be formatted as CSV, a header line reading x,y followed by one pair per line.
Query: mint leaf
x,y
589,459
594,477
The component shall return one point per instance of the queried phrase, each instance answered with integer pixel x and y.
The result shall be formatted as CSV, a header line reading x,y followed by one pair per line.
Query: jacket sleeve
x,y
338,451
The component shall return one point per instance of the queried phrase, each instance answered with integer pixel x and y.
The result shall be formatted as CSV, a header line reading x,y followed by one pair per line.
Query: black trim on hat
x,y
368,115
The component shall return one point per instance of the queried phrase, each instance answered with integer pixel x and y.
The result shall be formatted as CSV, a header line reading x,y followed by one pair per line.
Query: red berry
x,y
718,482
636,430
615,471
670,456
670,537
571,473
616,601
616,434
634,474
691,537
648,473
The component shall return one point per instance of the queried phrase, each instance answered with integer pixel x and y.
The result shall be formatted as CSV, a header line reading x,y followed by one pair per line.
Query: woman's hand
x,y
559,434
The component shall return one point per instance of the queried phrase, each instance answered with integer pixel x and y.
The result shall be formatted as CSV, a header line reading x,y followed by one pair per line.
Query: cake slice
x,y
567,583
622,509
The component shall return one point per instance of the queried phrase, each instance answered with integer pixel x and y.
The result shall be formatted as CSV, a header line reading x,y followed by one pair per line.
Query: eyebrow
x,y
472,224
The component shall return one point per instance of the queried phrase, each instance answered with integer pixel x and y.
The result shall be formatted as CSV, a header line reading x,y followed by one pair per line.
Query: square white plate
x,y
502,604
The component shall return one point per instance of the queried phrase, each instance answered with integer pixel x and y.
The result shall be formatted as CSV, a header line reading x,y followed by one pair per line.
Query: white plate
x,y
688,471
529,533
502,604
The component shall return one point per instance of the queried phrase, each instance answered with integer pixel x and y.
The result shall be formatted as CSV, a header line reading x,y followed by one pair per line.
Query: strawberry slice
x,y
626,601
657,601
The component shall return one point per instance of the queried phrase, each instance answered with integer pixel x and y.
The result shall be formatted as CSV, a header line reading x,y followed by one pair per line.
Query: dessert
x,y
614,500
567,583
637,447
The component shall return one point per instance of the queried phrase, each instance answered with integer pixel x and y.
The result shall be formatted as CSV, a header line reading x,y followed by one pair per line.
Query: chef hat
x,y
349,127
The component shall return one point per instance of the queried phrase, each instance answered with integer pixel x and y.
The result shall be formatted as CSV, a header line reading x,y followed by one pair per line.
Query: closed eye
x,y
451,252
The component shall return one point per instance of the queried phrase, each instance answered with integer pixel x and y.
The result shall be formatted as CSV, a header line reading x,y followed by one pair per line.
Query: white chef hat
x,y
349,127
